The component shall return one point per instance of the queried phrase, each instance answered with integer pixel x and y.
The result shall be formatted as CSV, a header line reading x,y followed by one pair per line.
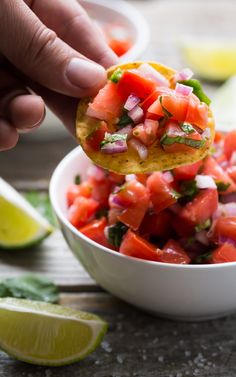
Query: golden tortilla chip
x,y
129,162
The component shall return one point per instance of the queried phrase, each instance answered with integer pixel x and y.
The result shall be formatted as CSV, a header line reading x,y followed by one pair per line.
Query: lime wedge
x,y
223,106
20,224
212,59
47,334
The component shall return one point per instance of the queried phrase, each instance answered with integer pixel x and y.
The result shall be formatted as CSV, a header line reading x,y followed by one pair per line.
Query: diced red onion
x,y
206,133
205,182
230,198
140,148
148,71
106,232
168,177
136,114
131,102
233,158
118,146
130,177
117,201
184,90
96,172
127,130
223,240
202,237
184,74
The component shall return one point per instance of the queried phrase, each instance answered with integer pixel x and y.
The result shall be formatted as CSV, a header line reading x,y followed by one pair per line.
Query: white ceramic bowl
x,y
105,11
185,292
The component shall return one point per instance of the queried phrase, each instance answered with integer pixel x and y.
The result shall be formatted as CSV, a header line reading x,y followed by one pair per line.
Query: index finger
x,y
73,25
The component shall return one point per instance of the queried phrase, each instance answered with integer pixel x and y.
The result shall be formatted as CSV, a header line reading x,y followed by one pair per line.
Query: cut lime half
x,y
47,334
20,224
212,59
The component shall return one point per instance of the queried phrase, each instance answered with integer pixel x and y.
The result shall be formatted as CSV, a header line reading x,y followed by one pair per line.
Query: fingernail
x,y
85,74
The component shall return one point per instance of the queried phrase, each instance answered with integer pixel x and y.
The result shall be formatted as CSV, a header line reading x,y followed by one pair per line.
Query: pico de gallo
x,y
183,216
143,107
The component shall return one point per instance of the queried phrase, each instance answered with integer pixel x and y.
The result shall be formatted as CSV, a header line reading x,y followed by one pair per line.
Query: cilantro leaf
x,y
165,111
77,179
31,287
116,233
189,189
124,120
221,186
203,226
187,128
169,140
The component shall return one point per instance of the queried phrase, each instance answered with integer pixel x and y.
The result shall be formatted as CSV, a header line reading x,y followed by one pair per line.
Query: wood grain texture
x,y
140,345
53,259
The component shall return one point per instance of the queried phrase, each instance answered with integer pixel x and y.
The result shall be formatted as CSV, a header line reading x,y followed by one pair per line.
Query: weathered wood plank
x,y
138,344
52,259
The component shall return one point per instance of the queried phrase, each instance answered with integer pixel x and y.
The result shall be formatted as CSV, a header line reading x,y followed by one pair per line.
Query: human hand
x,y
50,48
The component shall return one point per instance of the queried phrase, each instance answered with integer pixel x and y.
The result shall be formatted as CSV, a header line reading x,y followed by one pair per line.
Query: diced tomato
x,y
212,168
95,231
120,47
82,210
176,105
116,178
197,113
223,254
94,139
101,191
134,214
133,82
157,225
108,103
224,228
218,137
173,130
173,253
73,191
230,144
142,178
231,171
153,97
135,246
196,212
187,172
146,134
161,194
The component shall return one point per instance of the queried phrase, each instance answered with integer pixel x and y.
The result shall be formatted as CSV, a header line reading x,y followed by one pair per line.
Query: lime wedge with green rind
x,y
20,224
209,58
47,334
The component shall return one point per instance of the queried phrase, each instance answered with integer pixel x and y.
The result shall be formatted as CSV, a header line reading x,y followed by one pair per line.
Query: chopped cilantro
x,y
221,186
116,233
112,138
124,120
197,90
187,128
202,258
189,189
116,76
169,140
203,226
77,179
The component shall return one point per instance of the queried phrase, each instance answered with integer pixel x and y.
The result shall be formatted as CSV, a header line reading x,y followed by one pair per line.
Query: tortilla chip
x,y
129,162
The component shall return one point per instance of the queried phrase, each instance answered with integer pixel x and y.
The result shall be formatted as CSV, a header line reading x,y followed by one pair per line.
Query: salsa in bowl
x,y
181,291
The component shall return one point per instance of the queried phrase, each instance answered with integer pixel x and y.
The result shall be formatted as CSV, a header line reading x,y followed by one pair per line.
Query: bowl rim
x,y
131,13
57,176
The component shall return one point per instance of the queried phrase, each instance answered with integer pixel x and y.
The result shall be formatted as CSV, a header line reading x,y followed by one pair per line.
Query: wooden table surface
x,y
137,343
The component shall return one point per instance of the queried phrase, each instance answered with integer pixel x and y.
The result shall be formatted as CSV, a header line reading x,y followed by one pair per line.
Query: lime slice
x,y
20,224
212,59
223,106
47,334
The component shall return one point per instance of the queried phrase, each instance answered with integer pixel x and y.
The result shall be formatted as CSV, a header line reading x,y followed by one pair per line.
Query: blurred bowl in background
x,y
120,14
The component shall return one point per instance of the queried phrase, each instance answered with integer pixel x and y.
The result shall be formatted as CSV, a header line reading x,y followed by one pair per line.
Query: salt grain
x,y
161,359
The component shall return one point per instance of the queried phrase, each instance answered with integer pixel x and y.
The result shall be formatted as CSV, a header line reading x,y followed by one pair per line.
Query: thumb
x,y
36,51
